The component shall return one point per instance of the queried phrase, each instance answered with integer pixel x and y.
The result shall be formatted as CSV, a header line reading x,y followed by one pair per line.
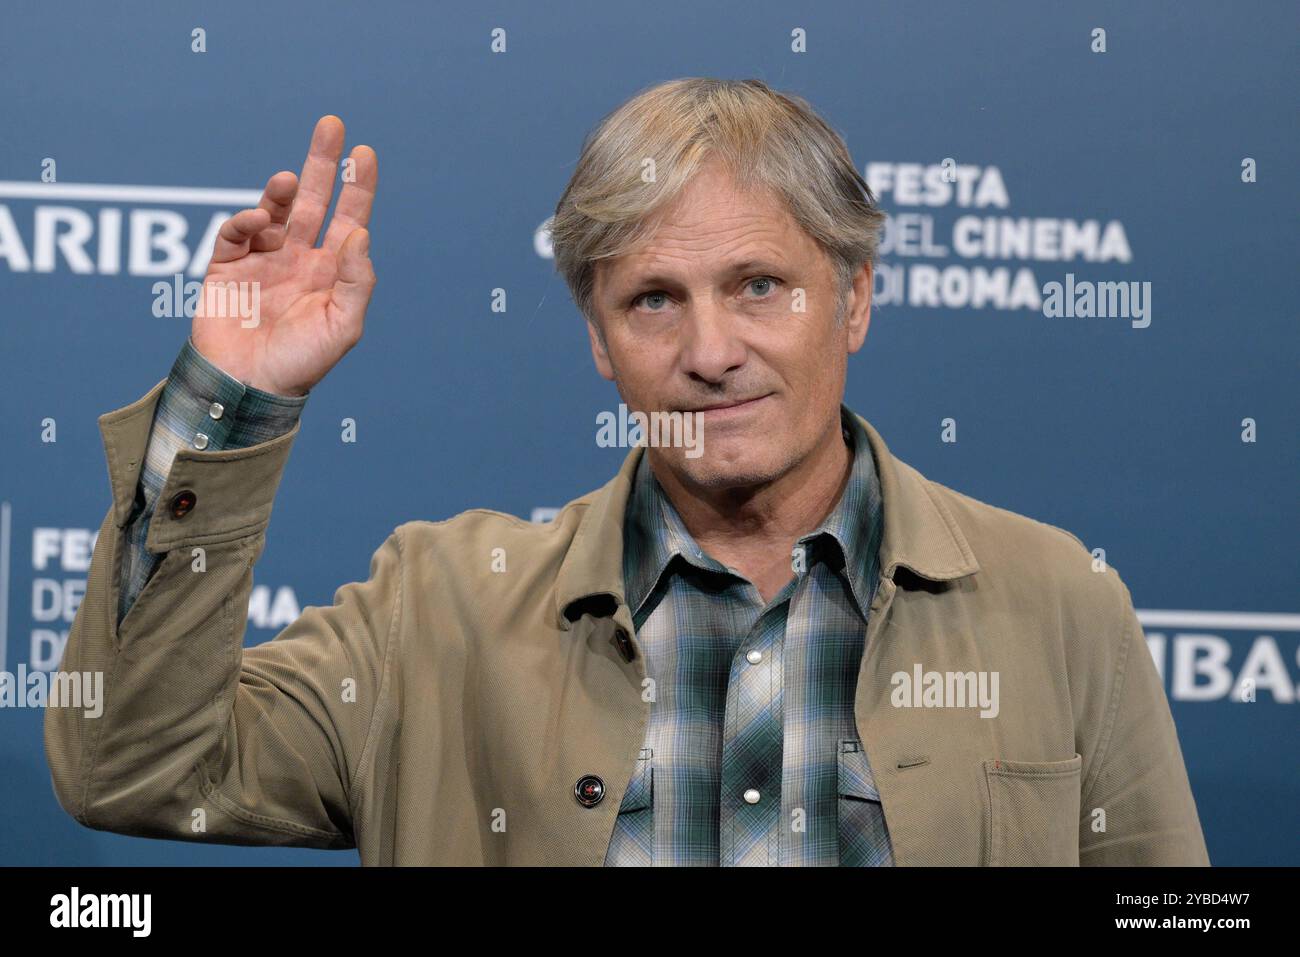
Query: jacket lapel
x,y
921,537
607,718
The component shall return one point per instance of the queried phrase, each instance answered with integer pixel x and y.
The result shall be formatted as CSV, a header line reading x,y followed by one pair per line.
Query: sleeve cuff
x,y
205,400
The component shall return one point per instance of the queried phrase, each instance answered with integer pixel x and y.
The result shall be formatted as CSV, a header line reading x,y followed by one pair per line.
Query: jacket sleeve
x,y
197,738
201,407
1139,780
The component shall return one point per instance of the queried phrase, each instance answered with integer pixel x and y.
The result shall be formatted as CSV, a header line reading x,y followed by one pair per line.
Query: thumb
x,y
356,277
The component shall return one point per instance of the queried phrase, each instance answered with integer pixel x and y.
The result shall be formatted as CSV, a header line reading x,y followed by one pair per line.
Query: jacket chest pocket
x,y
1033,812
864,839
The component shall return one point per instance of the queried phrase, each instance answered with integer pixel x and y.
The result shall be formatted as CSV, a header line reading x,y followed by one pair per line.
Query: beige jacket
x,y
441,712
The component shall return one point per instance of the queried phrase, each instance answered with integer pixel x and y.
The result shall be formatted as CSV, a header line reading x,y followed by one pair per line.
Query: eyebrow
x,y
744,266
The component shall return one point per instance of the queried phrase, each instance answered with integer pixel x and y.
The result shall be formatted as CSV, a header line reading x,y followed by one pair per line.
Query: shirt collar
x,y
921,534
848,538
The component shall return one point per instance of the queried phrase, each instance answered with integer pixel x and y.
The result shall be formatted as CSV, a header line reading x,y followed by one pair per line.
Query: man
x,y
791,649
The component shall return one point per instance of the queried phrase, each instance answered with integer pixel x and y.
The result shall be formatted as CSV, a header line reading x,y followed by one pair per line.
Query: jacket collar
x,y
919,532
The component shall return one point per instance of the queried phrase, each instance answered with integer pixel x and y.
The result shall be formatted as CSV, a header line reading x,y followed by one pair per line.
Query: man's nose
x,y
711,343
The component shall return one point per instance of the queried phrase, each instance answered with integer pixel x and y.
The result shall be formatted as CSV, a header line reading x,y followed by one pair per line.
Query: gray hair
x,y
763,138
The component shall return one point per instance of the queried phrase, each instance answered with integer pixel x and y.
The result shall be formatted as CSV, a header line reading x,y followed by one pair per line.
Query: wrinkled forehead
x,y
713,217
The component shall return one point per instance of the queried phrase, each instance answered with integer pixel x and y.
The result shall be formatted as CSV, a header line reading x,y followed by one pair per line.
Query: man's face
x,y
707,316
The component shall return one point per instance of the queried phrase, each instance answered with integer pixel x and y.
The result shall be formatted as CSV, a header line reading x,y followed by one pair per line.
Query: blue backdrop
x,y
1168,158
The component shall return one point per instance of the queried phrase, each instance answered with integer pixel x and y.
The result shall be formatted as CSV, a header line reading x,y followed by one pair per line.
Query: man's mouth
x,y
729,407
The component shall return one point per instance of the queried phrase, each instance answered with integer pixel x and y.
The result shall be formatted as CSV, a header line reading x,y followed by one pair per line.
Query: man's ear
x,y
859,307
599,353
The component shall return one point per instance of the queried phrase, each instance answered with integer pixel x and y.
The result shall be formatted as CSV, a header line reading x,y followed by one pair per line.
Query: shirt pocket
x,y
640,789
1033,812
632,843
864,839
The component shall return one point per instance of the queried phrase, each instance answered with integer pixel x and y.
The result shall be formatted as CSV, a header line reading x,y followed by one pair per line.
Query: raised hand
x,y
311,301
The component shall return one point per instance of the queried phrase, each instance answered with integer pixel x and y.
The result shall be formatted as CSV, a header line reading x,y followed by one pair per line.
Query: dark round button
x,y
589,790
182,502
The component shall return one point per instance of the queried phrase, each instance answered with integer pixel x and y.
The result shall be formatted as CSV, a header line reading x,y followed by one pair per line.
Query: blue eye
x,y
648,295
764,293
770,280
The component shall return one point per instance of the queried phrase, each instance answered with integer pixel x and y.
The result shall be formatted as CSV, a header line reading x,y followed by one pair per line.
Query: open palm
x,y
311,301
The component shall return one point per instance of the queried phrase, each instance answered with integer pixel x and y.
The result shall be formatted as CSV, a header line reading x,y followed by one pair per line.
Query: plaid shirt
x,y
751,755
201,407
